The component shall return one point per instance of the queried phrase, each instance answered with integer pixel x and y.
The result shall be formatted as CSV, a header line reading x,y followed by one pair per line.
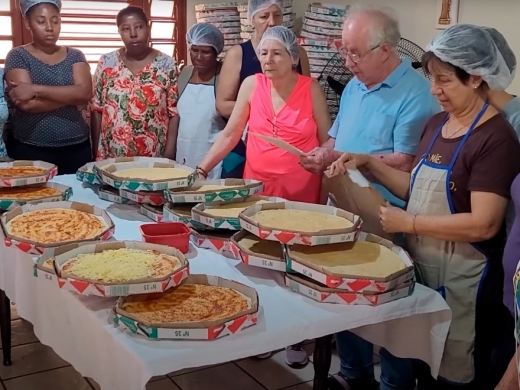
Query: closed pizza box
x,y
43,172
263,254
218,241
217,6
109,175
10,200
110,194
50,266
329,9
324,24
303,237
154,198
86,174
360,284
209,191
320,293
206,214
323,17
155,213
194,330
37,248
182,213
216,19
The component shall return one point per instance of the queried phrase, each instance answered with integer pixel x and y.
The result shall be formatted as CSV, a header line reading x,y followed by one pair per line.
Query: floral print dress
x,y
135,108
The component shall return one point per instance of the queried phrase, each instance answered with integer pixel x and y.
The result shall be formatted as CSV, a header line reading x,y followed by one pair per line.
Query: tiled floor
x,y
37,367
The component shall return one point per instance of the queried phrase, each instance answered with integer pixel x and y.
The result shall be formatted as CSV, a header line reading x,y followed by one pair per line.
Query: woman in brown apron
x,y
457,197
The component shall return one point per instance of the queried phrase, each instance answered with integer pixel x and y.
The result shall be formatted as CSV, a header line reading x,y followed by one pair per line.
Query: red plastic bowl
x,y
175,234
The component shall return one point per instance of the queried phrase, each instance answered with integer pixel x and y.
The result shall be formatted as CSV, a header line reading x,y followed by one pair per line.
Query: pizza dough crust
x,y
300,220
212,187
263,247
231,210
28,193
152,173
21,171
358,258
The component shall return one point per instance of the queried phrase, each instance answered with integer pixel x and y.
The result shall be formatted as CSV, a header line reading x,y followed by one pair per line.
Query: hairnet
x,y
286,37
205,34
472,49
503,47
25,5
255,6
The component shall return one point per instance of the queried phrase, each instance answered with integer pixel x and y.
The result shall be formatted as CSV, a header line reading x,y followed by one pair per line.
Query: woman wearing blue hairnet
x,y
199,122
47,83
241,62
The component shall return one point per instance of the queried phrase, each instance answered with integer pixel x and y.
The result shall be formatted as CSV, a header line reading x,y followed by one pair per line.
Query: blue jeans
x,y
357,362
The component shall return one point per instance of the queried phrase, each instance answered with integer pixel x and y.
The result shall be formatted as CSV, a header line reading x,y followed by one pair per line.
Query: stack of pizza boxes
x,y
210,208
246,27
317,260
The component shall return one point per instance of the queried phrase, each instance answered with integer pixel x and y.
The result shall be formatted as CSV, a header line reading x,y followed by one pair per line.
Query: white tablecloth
x,y
80,329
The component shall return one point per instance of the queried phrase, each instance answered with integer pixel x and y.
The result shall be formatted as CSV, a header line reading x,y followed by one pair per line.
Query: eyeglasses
x,y
355,58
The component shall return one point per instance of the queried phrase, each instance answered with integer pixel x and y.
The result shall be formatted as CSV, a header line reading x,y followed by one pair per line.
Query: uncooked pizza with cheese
x,y
121,265
187,303
152,174
232,210
300,220
21,171
56,225
28,193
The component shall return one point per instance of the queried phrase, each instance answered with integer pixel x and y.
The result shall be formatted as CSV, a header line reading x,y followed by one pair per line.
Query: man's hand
x,y
318,159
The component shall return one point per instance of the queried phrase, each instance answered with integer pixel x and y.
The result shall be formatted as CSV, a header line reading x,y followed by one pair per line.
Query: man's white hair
x,y
384,27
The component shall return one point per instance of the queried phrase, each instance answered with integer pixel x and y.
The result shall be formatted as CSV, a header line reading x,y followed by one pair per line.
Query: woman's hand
x,y
339,167
395,220
21,92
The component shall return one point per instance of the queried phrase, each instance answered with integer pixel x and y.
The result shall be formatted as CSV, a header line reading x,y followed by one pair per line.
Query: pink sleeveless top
x,y
280,171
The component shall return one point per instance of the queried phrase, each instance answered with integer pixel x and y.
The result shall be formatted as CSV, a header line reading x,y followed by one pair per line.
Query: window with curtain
x,y
90,26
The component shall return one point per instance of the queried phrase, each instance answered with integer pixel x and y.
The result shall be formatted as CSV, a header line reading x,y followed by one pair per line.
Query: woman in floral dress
x,y
135,95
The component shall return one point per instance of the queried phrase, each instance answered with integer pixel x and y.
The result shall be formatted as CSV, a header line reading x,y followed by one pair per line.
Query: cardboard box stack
x,y
246,27
225,17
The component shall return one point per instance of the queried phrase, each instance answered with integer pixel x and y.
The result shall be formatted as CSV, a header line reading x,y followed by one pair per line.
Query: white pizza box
x,y
329,9
154,198
181,213
223,5
37,248
110,194
50,171
97,165
86,174
323,17
353,283
320,293
52,261
227,24
194,331
108,176
296,237
238,189
200,213
217,19
323,24
217,12
218,241
9,204
255,259
327,32
155,213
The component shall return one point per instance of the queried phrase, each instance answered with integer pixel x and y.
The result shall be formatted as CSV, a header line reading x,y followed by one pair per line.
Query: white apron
x,y
199,126
454,269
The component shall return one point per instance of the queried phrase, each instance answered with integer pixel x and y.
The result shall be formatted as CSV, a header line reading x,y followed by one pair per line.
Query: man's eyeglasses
x,y
355,58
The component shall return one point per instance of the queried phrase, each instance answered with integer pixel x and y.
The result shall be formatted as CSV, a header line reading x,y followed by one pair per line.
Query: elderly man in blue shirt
x,y
383,112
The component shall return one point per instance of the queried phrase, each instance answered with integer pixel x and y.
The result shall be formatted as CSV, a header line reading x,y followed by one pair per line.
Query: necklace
x,y
445,131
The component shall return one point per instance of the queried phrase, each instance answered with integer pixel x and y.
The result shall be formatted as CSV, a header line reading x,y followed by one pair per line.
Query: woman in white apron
x,y
199,122
457,197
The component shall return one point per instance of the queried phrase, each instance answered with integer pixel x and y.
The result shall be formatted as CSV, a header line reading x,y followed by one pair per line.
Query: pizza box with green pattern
x,y
236,189
155,213
49,171
86,174
181,213
110,194
7,203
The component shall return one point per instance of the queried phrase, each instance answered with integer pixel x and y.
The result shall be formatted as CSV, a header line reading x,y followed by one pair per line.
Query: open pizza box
x,y
354,283
202,213
291,237
86,174
155,213
108,175
15,201
218,241
320,293
37,248
46,173
182,213
154,198
50,267
258,255
110,194
98,165
194,330
237,189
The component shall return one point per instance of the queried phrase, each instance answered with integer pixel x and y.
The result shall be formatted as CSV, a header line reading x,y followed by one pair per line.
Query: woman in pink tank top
x,y
281,104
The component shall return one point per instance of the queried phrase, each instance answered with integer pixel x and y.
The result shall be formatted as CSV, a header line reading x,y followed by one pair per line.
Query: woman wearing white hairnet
x,y
277,103
199,123
241,62
457,197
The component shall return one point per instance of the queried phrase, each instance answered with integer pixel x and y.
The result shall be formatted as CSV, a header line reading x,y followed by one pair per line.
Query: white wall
x,y
417,18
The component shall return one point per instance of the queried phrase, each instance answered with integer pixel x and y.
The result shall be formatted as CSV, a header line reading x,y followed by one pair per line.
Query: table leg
x,y
5,327
322,357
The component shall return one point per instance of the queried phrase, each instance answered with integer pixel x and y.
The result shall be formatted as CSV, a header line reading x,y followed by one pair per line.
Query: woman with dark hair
x,y
457,197
133,111
46,84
